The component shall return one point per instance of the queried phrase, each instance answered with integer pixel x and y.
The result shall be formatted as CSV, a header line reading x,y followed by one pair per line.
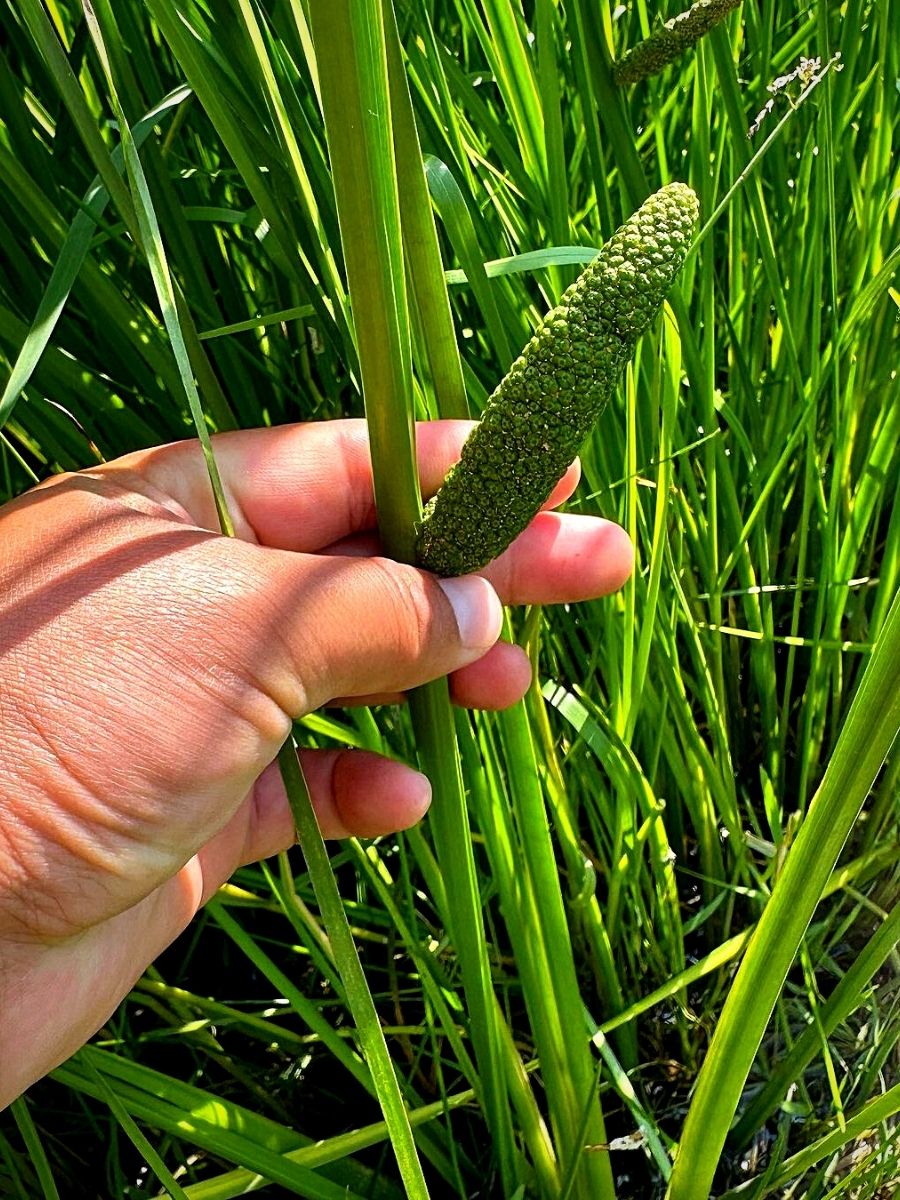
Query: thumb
x,y
364,626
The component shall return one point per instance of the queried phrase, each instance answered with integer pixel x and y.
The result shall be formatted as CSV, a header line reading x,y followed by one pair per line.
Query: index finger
x,y
297,487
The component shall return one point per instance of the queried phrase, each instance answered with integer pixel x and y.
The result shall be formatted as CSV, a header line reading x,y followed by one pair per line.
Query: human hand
x,y
150,670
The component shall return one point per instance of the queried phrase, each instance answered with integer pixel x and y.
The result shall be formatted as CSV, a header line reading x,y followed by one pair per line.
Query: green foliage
x,y
621,836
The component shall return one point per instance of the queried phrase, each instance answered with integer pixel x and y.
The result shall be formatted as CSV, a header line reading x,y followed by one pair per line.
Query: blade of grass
x,y
151,243
844,1000
72,254
425,278
132,1131
216,1124
552,993
436,745
35,1148
359,998
70,90
300,177
868,734
233,116
240,1182
307,1011
457,220
503,41
877,1112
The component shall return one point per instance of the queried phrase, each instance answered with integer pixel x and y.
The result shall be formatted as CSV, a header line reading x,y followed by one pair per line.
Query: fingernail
x,y
477,608
420,804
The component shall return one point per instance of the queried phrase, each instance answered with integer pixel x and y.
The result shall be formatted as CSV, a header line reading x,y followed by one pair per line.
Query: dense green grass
x,y
552,950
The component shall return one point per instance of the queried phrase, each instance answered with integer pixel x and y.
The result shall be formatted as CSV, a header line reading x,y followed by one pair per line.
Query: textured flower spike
x,y
538,418
666,44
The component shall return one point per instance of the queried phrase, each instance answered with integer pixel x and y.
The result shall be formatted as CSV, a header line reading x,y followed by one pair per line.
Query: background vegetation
x,y
169,216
